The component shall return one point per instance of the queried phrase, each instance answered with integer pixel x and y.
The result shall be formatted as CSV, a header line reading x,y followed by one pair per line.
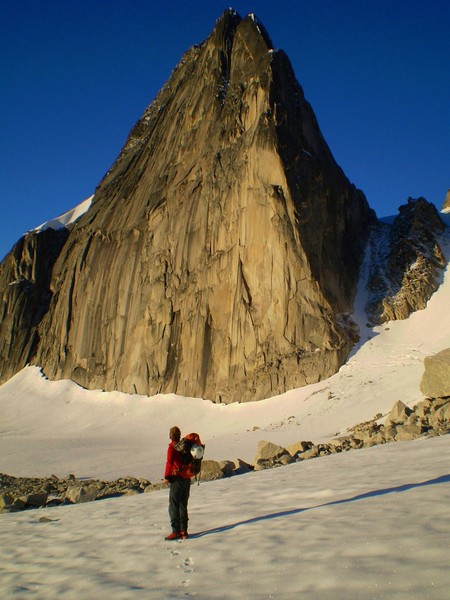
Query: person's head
x,y
175,434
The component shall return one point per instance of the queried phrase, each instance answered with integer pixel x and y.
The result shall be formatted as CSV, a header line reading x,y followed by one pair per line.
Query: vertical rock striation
x,y
220,255
25,296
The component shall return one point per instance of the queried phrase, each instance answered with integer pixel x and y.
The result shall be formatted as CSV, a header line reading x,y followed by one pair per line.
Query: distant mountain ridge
x,y
220,255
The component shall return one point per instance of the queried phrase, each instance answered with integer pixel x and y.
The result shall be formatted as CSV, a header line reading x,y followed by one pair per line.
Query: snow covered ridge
x,y
68,217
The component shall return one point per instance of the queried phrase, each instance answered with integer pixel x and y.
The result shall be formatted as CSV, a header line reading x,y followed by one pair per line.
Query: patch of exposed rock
x,y
407,264
431,417
19,493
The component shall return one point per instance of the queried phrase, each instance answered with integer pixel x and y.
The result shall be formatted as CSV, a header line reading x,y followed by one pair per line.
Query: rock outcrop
x,y
436,377
407,264
220,254
21,493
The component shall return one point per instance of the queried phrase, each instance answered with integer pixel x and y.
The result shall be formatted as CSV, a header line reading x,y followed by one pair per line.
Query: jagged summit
x,y
231,18
220,255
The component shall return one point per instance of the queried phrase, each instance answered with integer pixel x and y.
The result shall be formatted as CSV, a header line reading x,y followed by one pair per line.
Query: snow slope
x,y
68,217
367,524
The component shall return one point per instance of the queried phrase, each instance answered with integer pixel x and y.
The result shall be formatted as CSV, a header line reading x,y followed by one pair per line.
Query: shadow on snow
x,y
295,511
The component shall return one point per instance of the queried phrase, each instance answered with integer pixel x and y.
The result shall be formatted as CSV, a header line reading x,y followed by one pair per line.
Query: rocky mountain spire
x,y
220,254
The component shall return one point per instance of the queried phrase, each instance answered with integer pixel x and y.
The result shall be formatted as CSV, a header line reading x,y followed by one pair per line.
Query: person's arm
x,y
169,463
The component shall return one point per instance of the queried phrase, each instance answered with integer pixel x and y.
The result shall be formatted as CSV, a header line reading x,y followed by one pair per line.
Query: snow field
x,y
370,523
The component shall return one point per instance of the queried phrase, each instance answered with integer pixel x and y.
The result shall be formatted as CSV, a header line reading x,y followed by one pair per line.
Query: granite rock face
x,y
407,264
220,255
25,296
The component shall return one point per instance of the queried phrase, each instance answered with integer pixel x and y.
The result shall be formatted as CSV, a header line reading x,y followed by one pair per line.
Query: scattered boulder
x,y
6,501
152,487
268,455
211,470
409,431
242,467
313,452
35,500
390,432
299,447
423,408
399,413
19,493
76,494
227,467
436,377
443,413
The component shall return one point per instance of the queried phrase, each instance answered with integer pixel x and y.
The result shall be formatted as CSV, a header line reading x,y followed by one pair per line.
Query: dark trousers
x,y
178,502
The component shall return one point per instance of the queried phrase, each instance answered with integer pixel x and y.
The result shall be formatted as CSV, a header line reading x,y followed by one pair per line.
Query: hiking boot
x,y
175,535
184,535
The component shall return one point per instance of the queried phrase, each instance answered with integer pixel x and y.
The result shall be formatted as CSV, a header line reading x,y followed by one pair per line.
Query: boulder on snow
x,y
269,454
242,467
299,447
77,494
6,500
35,500
436,378
211,470
408,431
440,419
313,452
399,413
227,467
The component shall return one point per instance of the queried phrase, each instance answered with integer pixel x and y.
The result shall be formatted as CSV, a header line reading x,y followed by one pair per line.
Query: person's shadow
x,y
295,511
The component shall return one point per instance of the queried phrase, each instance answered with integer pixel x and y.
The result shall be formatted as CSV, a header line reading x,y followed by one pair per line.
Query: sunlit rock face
x,y
406,269
446,205
220,255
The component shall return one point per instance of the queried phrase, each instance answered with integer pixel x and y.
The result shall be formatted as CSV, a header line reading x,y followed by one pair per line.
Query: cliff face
x,y
25,296
220,254
406,266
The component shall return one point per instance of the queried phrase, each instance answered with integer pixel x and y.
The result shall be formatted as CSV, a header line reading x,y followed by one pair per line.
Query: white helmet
x,y
197,451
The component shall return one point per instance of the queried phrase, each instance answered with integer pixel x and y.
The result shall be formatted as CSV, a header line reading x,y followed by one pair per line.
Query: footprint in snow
x,y
187,565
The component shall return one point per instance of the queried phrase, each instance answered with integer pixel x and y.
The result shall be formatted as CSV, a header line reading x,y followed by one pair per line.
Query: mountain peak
x,y
231,23
220,256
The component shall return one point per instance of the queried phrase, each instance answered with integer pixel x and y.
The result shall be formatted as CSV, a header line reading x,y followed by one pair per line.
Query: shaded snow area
x,y
369,523
67,218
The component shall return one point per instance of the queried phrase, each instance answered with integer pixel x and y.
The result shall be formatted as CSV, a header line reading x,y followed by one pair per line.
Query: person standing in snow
x,y
177,475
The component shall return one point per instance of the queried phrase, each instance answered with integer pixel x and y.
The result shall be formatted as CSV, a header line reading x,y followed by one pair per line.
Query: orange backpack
x,y
192,451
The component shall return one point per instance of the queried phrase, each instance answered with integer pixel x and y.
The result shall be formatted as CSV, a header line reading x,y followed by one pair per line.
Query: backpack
x,y
192,451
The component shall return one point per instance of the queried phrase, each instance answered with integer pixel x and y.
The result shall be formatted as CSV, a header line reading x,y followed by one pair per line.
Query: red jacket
x,y
174,464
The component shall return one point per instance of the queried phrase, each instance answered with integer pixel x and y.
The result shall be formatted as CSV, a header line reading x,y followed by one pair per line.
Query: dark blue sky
x,y
76,75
